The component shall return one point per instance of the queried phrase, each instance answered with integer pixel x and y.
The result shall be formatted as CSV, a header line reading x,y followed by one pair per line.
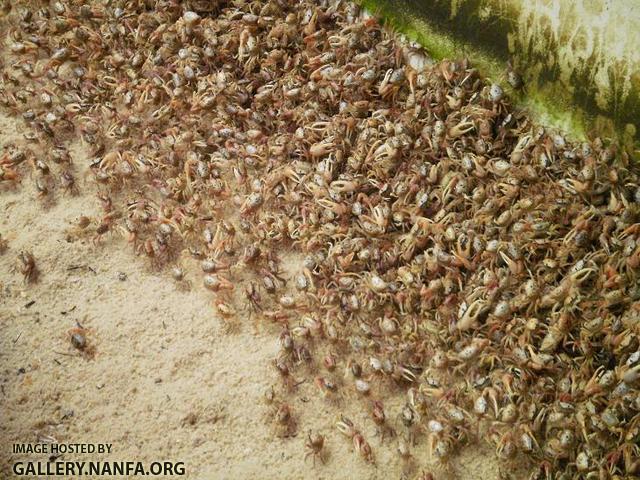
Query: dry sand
x,y
166,381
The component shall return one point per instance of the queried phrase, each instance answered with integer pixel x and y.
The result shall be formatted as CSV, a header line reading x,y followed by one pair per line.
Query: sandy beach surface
x,y
165,380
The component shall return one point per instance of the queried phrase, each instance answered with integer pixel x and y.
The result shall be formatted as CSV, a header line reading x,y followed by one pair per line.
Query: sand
x,y
166,381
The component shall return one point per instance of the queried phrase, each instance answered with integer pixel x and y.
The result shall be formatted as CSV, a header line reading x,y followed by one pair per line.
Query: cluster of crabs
x,y
395,220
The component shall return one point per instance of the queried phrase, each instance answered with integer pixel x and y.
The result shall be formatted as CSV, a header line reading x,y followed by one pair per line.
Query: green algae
x,y
449,29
